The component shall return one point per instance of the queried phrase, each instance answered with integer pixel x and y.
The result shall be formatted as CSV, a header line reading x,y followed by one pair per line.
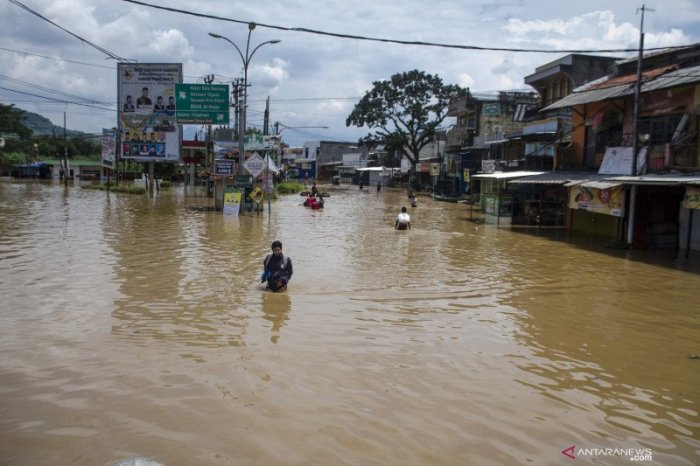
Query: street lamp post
x,y
246,61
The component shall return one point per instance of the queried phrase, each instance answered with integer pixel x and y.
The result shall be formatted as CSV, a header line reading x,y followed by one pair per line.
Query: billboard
x,y
109,142
146,107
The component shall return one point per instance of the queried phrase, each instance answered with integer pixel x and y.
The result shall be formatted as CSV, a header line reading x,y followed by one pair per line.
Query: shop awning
x,y
505,175
656,180
600,184
555,178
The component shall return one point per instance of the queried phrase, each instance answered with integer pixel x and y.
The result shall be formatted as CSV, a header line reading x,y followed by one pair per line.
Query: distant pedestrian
x,y
379,186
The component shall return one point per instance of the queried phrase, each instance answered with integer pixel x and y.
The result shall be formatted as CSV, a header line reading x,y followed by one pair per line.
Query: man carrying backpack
x,y
277,269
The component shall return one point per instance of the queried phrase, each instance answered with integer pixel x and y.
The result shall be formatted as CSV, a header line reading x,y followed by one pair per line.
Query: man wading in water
x,y
278,269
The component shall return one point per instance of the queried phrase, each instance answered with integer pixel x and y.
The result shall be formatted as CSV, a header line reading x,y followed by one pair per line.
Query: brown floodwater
x,y
134,327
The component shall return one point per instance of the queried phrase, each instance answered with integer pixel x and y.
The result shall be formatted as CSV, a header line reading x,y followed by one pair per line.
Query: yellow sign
x,y
257,195
232,201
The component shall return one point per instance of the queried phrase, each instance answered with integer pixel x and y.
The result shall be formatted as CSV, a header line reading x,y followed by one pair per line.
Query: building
x,y
320,159
651,206
488,128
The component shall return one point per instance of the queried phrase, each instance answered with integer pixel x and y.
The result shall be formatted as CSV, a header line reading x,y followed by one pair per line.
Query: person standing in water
x,y
403,220
277,268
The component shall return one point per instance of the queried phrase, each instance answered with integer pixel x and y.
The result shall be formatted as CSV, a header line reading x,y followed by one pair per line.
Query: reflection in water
x,y
275,308
136,327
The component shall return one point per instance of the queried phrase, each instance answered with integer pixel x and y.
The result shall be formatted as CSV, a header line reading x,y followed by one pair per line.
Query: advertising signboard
x,y
232,201
255,165
146,111
618,161
109,146
202,104
223,167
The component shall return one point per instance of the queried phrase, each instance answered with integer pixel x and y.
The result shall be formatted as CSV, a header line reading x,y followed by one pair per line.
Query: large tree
x,y
404,112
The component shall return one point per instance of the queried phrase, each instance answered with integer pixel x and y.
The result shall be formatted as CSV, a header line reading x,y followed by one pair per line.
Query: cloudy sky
x,y
311,79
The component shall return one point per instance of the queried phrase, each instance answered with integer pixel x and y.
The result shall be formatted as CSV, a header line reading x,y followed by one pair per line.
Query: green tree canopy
x,y
11,122
404,112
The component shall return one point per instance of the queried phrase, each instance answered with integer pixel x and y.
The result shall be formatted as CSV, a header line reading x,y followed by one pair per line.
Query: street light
x,y
246,61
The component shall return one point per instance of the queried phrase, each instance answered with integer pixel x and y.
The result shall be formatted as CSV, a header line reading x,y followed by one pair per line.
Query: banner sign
x,y
608,201
202,104
618,161
223,167
255,165
109,147
232,201
146,111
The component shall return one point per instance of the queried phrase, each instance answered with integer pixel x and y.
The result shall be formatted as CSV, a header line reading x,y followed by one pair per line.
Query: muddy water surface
x,y
134,327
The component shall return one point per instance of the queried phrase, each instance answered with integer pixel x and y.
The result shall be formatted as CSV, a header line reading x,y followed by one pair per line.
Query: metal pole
x,y
65,152
635,123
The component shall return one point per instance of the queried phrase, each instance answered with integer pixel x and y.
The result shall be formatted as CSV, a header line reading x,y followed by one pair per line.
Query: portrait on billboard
x,y
146,92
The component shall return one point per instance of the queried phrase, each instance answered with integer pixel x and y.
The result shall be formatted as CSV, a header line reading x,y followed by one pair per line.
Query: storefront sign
x,y
618,161
608,201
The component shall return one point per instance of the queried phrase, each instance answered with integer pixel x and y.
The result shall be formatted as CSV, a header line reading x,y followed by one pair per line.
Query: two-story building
x,y
654,203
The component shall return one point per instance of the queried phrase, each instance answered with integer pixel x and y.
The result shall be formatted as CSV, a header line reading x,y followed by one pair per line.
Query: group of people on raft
x,y
314,199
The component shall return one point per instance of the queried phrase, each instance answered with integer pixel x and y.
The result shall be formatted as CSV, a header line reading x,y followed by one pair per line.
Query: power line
x,y
85,41
21,52
393,41
42,88
58,59
59,100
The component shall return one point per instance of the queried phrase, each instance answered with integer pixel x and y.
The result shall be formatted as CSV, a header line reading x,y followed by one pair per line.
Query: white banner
x,y
109,146
618,161
255,165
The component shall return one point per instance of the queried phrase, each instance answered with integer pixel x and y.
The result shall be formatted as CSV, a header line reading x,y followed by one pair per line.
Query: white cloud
x,y
308,76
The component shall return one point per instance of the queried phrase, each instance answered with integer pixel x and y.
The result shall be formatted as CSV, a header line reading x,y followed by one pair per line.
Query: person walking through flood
x,y
277,269
403,220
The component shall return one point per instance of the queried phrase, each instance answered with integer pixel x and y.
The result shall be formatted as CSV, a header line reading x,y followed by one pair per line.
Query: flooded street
x,y
135,327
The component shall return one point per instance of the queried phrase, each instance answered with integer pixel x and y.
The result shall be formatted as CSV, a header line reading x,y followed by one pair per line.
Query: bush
x,y
165,184
289,187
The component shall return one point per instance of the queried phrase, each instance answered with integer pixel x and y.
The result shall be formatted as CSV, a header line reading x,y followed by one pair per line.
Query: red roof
x,y
631,78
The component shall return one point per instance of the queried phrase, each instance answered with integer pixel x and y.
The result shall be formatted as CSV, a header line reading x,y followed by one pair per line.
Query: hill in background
x,y
42,126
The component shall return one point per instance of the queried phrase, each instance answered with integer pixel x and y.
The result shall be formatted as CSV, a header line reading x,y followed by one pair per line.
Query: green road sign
x,y
201,104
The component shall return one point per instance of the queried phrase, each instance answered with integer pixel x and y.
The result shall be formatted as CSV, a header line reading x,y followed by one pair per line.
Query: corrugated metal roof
x,y
667,180
682,77
556,178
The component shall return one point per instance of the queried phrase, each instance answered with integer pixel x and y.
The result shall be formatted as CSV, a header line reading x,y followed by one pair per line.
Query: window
x,y
659,129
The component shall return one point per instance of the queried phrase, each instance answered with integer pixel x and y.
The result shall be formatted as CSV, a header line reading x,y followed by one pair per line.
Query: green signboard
x,y
201,104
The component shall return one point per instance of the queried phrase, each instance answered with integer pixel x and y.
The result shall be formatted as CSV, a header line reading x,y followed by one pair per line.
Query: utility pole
x,y
209,152
65,151
635,127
